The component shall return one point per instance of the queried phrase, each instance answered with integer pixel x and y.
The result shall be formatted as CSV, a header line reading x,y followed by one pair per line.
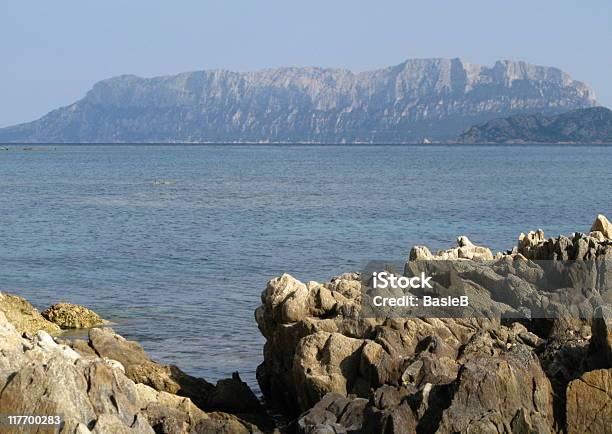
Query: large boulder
x,y
602,225
72,316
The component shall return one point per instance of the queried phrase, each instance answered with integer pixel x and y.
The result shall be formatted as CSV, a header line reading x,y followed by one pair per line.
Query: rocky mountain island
x,y
406,103
592,125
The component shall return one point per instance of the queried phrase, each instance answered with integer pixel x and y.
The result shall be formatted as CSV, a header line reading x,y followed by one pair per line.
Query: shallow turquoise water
x,y
176,243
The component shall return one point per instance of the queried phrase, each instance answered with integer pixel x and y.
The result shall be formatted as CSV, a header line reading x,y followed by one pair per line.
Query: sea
x,y
175,243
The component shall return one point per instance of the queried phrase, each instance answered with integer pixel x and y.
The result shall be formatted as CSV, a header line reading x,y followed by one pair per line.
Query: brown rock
x,y
589,403
82,347
389,411
169,413
532,239
110,423
223,423
287,298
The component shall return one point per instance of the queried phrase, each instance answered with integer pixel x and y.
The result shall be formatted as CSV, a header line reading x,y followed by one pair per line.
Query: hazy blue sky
x,y
53,51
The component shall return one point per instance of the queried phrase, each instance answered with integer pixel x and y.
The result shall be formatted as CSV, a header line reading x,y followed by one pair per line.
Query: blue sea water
x,y
175,243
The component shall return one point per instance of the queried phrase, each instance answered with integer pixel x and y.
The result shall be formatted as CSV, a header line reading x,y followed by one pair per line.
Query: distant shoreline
x,y
320,144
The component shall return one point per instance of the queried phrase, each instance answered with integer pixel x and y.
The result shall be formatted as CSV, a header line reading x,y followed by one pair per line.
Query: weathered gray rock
x,y
324,354
420,253
492,391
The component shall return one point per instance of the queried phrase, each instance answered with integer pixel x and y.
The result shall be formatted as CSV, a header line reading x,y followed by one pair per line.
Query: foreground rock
x,y
72,316
336,370
39,376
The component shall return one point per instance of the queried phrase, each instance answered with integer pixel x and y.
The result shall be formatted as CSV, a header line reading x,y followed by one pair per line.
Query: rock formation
x,y
72,316
98,394
336,370
418,99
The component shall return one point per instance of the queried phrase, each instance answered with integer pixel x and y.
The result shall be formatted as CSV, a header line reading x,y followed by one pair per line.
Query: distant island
x,y
591,125
420,100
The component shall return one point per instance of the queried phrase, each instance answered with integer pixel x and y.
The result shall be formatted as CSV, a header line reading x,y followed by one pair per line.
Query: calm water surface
x,y
175,243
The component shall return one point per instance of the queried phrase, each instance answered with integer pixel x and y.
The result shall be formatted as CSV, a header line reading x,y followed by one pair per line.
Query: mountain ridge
x,y
435,98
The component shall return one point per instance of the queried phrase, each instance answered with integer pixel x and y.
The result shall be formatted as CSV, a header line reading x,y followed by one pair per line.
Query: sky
x,y
54,51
